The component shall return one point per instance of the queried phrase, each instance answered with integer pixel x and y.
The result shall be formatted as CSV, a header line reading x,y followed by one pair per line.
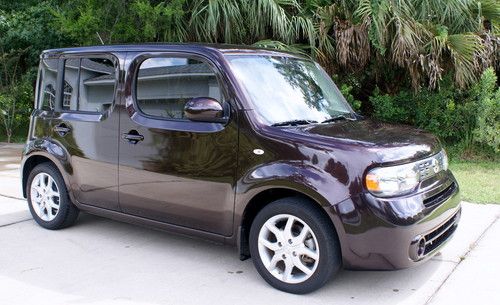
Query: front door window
x,y
164,85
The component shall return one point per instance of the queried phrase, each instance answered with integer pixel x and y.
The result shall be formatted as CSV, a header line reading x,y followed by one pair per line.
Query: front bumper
x,y
384,234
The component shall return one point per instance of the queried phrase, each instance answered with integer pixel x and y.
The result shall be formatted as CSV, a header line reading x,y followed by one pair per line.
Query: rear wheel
x,y
294,246
48,198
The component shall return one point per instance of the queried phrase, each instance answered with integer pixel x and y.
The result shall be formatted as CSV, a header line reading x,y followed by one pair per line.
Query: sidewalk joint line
x,y
16,222
12,197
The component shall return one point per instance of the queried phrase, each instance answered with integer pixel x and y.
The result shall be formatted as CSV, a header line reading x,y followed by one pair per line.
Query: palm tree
x,y
418,40
424,37
248,21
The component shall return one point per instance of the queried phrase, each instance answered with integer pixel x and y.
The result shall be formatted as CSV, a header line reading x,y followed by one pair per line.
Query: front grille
x,y
426,168
429,167
441,196
441,234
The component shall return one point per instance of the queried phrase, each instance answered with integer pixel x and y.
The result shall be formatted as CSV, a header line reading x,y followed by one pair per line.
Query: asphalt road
x,y
100,261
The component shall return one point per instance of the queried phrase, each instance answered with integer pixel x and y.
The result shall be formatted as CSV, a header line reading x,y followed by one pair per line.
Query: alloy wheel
x,y
45,196
288,248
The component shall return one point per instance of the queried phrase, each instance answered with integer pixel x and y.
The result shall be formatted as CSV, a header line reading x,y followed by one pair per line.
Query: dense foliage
x,y
430,63
466,117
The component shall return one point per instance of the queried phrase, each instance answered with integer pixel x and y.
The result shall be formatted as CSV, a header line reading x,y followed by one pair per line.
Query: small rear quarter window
x,y
47,84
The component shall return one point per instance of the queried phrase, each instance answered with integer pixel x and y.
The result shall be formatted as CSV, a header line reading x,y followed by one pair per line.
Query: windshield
x,y
289,91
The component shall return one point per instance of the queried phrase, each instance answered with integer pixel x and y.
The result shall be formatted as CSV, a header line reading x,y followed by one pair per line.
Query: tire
x,y
50,210
317,253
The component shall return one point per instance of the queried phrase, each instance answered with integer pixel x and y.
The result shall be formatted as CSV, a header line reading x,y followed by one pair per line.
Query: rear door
x,y
176,171
85,122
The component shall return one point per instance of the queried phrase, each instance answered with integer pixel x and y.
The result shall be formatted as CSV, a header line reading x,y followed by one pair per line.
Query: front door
x,y
85,123
171,169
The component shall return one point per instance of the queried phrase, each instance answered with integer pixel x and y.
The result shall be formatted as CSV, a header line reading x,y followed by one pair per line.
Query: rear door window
x,y
89,84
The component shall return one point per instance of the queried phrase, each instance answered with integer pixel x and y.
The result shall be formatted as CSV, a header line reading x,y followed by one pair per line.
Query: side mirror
x,y
204,109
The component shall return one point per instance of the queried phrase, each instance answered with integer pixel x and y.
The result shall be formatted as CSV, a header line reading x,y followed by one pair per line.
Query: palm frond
x,y
303,27
408,41
209,19
378,14
463,49
490,9
323,26
271,14
455,14
364,9
352,44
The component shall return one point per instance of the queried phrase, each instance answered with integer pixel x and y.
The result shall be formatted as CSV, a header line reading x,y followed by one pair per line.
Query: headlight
x,y
402,179
444,160
393,180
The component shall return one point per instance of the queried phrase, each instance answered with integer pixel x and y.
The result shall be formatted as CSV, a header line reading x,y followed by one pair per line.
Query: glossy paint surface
x,y
198,178
93,147
203,110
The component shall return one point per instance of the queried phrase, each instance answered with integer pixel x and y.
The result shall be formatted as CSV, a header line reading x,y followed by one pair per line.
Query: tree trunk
x,y
9,135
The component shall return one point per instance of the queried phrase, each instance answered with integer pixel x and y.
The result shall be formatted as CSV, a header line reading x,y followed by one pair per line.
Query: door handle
x,y
133,137
62,129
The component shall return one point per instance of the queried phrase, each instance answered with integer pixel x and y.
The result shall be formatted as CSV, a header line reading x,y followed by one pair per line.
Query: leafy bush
x,y
487,129
446,113
462,117
15,108
31,30
393,108
346,92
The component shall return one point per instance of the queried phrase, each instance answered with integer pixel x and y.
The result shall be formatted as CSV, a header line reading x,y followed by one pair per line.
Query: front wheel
x,y
294,246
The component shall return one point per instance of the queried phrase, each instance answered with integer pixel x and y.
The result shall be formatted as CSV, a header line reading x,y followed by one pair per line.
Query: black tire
x,y
329,261
67,213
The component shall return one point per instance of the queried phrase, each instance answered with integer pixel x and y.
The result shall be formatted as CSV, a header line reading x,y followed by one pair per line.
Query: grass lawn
x,y
479,181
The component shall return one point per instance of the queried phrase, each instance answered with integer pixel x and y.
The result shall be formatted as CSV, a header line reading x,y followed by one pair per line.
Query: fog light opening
x,y
421,248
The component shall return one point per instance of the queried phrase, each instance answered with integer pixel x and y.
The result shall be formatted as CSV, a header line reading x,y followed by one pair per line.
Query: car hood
x,y
387,142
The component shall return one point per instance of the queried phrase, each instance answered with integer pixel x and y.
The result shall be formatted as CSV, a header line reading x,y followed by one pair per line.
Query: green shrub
x,y
445,113
487,110
15,108
462,118
346,92
393,108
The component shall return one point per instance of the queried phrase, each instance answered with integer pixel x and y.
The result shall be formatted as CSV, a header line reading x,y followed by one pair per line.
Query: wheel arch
x,y
32,160
264,197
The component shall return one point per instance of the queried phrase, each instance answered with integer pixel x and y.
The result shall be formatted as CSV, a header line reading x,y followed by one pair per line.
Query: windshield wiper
x,y
340,117
294,123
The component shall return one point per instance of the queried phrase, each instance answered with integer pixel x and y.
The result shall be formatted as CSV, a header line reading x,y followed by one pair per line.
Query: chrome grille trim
x,y
431,166
441,196
441,234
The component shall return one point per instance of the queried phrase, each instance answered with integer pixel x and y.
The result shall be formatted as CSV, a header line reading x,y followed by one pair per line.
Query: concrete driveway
x,y
100,261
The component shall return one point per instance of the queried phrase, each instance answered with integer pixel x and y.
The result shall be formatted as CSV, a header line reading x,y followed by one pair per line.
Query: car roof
x,y
151,47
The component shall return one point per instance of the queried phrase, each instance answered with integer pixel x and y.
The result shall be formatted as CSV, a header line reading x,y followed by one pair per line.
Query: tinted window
x,y
89,84
164,85
47,85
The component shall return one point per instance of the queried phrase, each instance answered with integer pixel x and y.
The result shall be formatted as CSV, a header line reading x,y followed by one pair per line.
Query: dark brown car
x,y
248,147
